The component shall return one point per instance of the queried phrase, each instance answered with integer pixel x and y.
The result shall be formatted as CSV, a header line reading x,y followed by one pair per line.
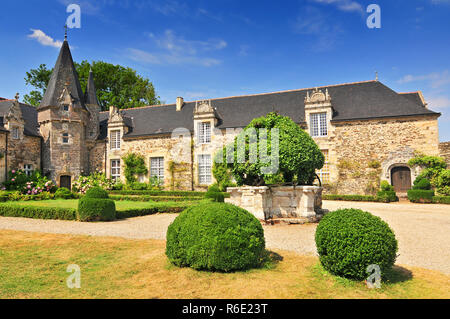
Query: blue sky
x,y
208,49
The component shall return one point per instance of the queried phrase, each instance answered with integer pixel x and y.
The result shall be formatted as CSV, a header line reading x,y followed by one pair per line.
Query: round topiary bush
x,y
64,193
349,240
216,236
297,160
96,192
96,209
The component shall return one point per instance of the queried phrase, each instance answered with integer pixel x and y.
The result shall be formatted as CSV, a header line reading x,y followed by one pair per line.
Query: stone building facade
x,y
366,131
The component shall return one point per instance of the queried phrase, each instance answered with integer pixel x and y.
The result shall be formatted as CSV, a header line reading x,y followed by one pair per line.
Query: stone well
x,y
266,202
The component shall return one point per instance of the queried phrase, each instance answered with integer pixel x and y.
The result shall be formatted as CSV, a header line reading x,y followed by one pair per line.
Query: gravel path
x,y
423,231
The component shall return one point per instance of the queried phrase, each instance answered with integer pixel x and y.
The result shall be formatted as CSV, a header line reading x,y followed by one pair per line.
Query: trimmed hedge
x,y
383,196
354,198
420,195
147,198
349,240
96,209
14,210
157,193
441,199
63,193
216,236
387,196
96,192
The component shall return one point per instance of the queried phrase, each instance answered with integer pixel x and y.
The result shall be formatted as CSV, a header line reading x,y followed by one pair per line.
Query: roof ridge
x,y
416,92
256,94
293,90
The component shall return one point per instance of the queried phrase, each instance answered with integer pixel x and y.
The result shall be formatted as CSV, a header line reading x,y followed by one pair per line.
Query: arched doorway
x,y
65,181
401,179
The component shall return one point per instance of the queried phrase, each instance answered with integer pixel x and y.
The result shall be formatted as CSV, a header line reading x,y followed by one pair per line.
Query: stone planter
x,y
266,202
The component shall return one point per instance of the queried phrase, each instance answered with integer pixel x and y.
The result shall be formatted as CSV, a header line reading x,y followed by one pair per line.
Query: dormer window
x,y
318,123
15,133
65,138
66,108
115,140
204,133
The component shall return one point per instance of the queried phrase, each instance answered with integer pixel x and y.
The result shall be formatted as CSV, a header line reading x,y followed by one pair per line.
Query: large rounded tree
x,y
292,155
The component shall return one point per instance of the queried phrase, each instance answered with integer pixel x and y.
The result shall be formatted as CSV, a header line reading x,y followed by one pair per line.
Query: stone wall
x,y
25,150
97,157
3,137
175,151
364,152
444,151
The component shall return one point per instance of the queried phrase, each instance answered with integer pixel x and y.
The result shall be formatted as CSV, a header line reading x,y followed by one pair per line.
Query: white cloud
x,y
311,21
343,5
44,39
174,49
435,80
438,102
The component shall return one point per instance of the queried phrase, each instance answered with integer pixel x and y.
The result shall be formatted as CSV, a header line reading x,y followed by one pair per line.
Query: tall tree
x,y
116,85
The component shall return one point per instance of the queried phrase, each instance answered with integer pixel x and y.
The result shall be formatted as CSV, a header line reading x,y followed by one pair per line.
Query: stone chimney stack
x,y
180,103
112,110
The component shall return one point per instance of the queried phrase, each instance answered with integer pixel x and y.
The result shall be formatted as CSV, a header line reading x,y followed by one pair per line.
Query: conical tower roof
x,y
90,96
64,73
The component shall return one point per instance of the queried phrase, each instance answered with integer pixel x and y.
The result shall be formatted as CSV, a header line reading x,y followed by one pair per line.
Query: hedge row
x,y
441,199
147,198
420,195
36,212
353,198
157,193
12,210
15,197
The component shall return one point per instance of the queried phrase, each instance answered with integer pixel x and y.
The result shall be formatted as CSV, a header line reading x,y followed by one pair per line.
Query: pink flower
x,y
13,171
13,179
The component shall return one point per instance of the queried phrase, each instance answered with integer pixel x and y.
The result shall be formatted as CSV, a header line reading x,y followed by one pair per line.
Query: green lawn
x,y
73,203
34,265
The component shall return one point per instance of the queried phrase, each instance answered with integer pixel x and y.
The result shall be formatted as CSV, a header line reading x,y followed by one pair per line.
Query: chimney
x,y
112,110
180,103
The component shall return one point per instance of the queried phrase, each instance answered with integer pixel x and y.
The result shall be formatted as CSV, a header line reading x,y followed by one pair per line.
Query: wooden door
x,y
401,179
65,181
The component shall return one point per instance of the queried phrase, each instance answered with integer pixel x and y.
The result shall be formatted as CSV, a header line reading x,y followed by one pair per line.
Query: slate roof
x,y
29,114
414,97
63,72
90,96
353,101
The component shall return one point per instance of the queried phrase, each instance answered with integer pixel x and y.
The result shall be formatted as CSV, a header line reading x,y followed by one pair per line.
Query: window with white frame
x,y
204,169
15,133
318,122
28,168
204,132
324,173
114,141
115,170
157,168
65,138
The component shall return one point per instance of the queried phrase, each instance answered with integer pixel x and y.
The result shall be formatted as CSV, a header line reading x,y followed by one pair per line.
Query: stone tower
x,y
68,121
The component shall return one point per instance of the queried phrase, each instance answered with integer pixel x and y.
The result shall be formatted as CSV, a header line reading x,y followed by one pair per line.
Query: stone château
x,y
367,131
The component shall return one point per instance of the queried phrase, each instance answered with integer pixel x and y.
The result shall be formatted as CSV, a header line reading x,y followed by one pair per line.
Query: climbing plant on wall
x,y
134,166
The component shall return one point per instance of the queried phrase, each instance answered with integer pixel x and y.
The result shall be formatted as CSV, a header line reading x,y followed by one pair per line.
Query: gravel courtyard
x,y
423,231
